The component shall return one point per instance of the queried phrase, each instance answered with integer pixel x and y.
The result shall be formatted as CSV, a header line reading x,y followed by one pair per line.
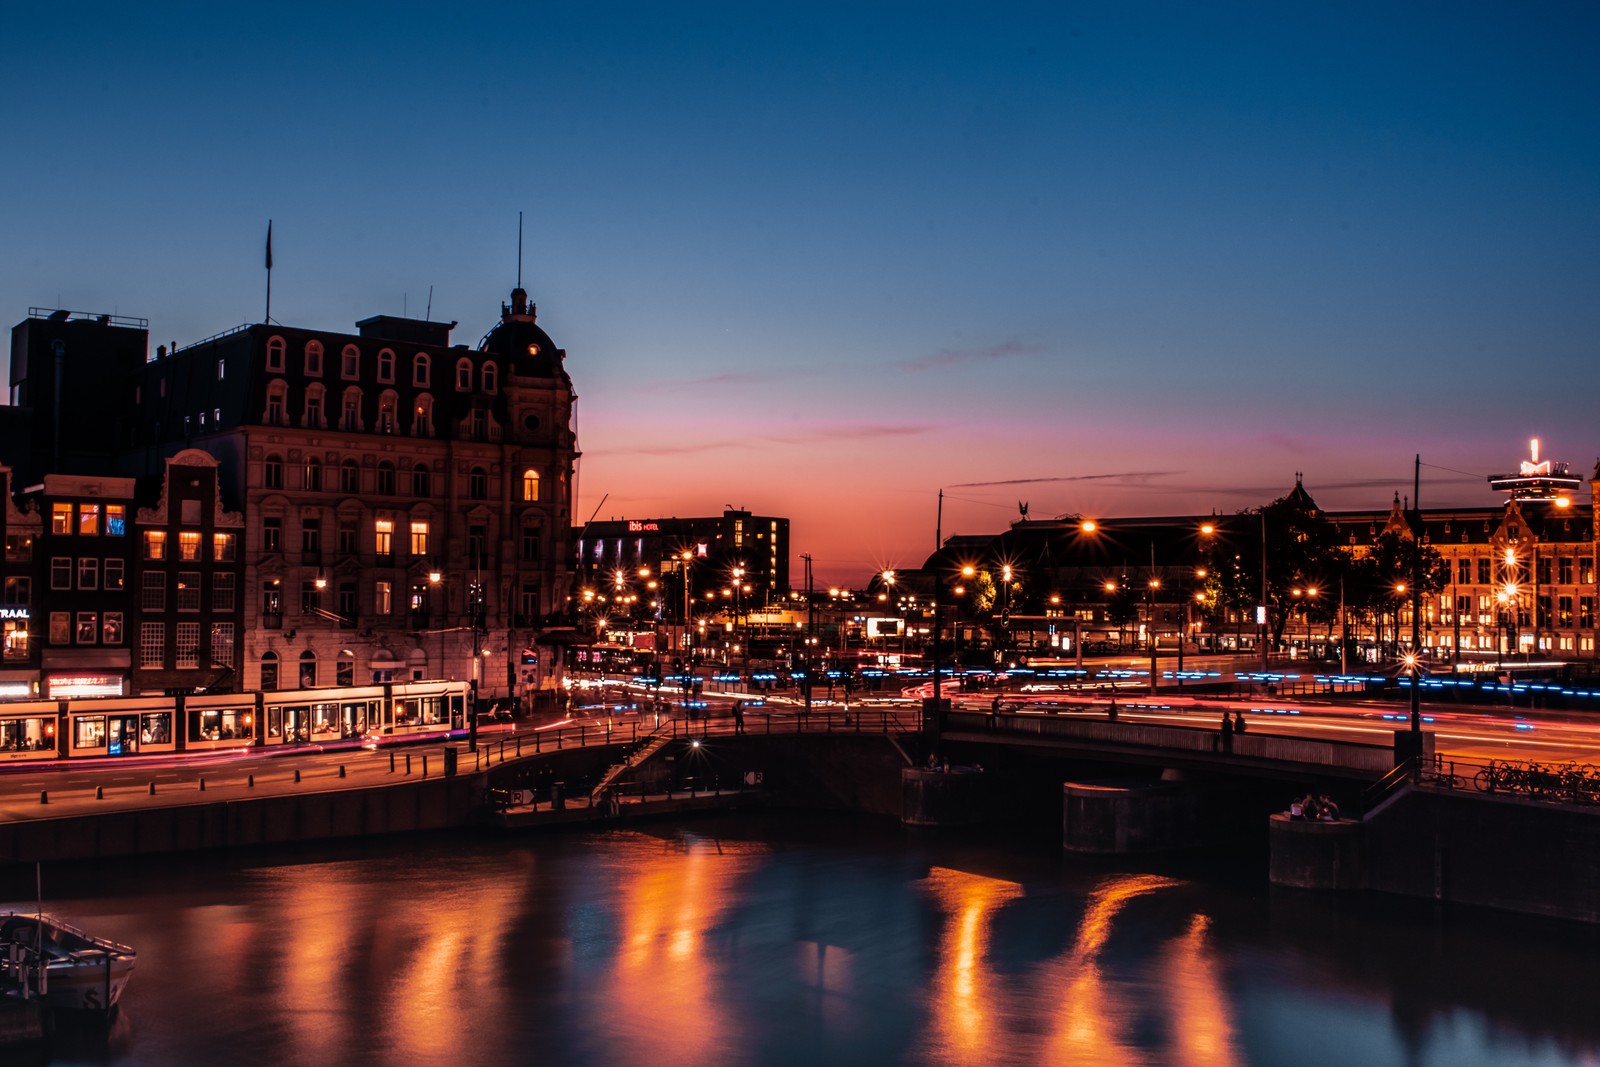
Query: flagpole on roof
x,y
268,317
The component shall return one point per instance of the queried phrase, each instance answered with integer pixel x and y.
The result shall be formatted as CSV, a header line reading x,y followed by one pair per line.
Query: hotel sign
x,y
635,526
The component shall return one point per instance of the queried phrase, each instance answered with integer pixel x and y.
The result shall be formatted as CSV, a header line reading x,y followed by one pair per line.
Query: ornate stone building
x,y
407,500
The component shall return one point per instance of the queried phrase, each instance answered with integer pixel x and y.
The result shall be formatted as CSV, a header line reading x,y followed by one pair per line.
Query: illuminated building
x,y
358,465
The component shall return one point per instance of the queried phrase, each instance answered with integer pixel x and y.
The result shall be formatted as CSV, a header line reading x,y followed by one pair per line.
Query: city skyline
x,y
822,262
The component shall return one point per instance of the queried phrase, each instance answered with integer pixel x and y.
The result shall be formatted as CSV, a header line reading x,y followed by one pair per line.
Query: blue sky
x,y
821,260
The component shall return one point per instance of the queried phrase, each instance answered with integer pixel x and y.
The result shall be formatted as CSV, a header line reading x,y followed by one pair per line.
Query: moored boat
x,y
81,972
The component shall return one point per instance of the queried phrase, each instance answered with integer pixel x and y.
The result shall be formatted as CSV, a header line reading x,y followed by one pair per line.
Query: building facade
x,y
324,508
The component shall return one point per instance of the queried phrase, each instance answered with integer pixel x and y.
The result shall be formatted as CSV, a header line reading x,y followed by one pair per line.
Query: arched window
x,y
313,478
530,484
421,480
269,670
315,417
463,375
350,410
308,669
386,366
491,377
478,484
419,370
314,359
385,479
422,416
418,662
350,363
386,406
344,673
272,471
349,477
275,349
277,413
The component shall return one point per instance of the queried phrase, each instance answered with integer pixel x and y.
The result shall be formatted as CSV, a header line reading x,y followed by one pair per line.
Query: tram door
x,y
122,737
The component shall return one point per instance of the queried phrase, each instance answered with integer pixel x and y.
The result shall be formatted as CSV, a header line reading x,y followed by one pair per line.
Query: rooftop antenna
x,y
427,316
519,250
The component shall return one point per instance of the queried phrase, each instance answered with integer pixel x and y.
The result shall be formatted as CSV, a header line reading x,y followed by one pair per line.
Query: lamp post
x,y
1151,586
888,598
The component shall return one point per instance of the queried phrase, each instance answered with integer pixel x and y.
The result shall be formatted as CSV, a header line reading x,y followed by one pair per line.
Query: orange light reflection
x,y
960,1002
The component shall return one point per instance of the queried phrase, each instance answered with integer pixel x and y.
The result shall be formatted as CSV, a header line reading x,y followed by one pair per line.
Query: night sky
x,y
821,260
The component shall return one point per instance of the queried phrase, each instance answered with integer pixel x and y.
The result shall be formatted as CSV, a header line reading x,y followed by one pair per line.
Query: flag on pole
x,y
269,244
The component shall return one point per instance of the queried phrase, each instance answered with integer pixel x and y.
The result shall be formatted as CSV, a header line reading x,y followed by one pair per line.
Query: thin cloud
x,y
676,385
858,432
952,357
1137,476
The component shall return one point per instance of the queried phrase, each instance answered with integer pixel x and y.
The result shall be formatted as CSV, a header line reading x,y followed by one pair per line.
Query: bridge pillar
x,y
956,797
1124,818
1409,745
1317,854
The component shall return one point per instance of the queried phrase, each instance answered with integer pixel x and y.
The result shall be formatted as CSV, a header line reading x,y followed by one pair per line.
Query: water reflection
x,y
794,942
666,983
963,993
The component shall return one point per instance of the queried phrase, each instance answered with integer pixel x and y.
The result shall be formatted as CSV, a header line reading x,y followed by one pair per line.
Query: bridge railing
x,y
877,720
1343,755
1556,783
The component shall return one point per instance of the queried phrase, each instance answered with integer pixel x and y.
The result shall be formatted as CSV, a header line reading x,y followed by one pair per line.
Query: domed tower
x,y
540,454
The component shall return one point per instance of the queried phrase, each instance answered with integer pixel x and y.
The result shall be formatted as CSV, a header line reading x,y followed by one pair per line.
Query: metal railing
x,y
1559,783
888,721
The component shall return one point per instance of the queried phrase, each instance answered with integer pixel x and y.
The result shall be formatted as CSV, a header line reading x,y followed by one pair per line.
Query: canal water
x,y
785,939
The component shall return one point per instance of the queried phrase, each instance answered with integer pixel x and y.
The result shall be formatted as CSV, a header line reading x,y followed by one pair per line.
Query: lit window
x,y
419,539
89,519
116,520
382,597
222,547
188,544
383,532
60,518
530,484
155,544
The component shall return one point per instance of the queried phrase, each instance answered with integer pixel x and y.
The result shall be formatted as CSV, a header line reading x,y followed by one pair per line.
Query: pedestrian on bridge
x,y
1111,710
1238,722
1227,733
738,716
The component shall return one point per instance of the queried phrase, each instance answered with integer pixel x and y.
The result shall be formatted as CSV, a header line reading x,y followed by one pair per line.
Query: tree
x,y
1300,550
1380,578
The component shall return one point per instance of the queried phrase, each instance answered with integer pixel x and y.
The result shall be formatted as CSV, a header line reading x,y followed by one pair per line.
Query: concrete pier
x,y
1317,853
1112,818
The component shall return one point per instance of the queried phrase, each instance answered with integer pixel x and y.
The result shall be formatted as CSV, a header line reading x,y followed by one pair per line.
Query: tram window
x,y
89,731
156,728
219,724
23,734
